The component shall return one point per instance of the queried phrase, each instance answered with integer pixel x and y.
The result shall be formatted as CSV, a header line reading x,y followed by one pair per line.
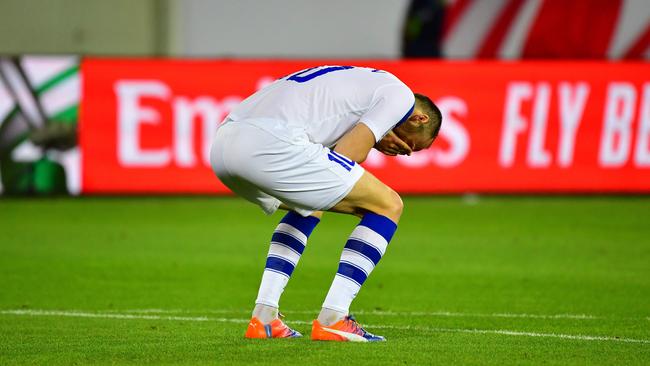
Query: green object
x,y
16,177
42,177
462,275
49,177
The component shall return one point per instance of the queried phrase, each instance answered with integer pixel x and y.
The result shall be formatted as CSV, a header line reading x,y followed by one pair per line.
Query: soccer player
x,y
297,144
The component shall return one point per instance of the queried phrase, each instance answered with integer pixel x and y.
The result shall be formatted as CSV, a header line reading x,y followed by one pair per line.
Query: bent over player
x,y
296,144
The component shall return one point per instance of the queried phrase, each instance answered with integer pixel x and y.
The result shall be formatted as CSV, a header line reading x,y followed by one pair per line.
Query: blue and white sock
x,y
287,244
363,250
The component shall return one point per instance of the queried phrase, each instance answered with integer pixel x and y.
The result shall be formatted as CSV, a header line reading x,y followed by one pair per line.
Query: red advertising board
x,y
146,125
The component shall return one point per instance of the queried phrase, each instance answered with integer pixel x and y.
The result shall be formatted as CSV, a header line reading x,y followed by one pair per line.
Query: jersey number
x,y
306,75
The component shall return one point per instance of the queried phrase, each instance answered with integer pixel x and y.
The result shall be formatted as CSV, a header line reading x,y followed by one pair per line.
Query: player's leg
x,y
308,177
287,245
369,194
230,155
288,241
380,208
363,195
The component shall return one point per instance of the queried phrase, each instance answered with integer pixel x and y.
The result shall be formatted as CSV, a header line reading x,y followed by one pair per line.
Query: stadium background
x,y
543,99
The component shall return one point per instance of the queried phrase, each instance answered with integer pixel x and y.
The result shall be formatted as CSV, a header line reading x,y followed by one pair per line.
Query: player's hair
x,y
431,110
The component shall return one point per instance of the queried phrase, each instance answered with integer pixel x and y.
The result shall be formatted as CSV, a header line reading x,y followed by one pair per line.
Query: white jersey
x,y
328,101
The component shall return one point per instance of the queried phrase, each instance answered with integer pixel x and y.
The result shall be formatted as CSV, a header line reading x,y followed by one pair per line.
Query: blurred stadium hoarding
x,y
546,29
146,124
509,126
39,100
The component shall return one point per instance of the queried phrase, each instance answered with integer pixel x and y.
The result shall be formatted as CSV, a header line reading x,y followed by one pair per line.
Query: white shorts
x,y
268,163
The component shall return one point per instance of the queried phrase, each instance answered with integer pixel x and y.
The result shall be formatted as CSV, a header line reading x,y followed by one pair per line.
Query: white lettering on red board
x,y
642,151
616,138
538,156
452,108
571,105
131,114
618,126
625,131
210,111
514,123
620,140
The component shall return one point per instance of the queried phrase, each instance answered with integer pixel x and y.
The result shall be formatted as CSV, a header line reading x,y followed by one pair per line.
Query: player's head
x,y
422,126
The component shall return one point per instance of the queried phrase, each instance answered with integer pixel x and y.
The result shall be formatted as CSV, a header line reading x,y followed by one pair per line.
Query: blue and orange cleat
x,y
275,329
345,330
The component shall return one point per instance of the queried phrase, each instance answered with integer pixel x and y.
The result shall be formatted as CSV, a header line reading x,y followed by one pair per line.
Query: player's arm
x,y
392,104
388,108
356,143
392,145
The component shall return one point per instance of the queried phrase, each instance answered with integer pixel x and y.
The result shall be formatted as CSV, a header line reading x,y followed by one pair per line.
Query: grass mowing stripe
x,y
81,314
513,255
382,313
477,315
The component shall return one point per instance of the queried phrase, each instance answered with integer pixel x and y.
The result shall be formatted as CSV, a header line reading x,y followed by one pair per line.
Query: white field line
x,y
378,312
81,314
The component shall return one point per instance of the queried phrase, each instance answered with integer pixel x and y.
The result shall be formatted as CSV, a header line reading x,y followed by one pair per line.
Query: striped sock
x,y
365,247
287,244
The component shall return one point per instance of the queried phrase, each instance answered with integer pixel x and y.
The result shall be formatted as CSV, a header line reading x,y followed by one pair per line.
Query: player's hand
x,y
393,145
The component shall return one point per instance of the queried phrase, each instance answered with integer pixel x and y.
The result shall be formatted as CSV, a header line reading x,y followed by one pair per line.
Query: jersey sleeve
x,y
391,105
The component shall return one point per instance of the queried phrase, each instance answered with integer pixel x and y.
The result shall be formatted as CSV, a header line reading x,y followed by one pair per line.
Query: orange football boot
x,y
345,330
275,329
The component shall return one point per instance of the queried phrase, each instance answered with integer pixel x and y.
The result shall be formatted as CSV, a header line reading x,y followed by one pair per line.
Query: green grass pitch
x,y
501,280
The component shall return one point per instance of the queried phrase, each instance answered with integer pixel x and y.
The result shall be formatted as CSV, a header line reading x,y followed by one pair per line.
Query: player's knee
x,y
398,204
393,205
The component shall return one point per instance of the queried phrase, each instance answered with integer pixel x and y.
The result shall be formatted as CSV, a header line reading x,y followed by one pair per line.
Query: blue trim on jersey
x,y
352,272
406,116
301,79
280,265
336,160
305,224
364,249
288,240
300,72
346,160
382,225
